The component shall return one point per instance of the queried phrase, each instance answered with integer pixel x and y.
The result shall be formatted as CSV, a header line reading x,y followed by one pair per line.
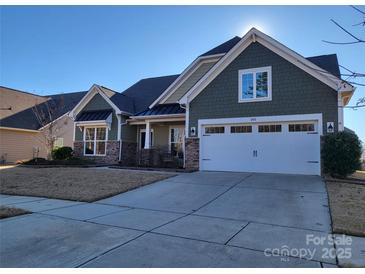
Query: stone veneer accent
x,y
149,157
129,153
111,157
192,153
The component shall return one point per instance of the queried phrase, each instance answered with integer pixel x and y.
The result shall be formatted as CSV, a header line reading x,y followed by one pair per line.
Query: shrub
x,y
341,154
62,153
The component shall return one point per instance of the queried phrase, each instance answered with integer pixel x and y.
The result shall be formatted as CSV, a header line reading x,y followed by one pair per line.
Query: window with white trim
x,y
254,84
95,141
177,136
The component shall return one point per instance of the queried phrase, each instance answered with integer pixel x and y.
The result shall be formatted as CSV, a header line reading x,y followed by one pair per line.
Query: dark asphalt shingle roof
x,y
224,47
123,102
327,62
59,104
164,109
94,115
146,91
137,98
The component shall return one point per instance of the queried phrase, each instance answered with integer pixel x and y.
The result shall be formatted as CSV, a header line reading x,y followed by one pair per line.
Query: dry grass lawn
x,y
6,212
77,184
347,203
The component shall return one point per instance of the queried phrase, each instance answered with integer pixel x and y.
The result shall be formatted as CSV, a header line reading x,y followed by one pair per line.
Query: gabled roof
x,y
165,109
145,91
224,47
327,63
27,119
254,36
212,55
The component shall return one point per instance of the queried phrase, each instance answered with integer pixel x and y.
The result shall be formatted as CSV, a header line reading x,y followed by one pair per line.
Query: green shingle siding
x,y
293,91
129,132
190,82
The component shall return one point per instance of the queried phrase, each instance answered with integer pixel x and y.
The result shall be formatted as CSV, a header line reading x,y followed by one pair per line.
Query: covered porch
x,y
165,146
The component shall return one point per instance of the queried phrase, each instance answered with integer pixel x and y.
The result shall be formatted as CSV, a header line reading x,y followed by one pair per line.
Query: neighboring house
x,y
13,101
24,131
250,104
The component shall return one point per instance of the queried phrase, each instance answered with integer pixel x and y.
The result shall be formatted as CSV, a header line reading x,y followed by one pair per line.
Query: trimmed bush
x,y
62,153
341,154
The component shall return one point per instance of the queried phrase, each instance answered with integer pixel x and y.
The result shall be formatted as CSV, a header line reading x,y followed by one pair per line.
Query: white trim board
x,y
20,129
253,36
187,76
62,116
95,89
184,76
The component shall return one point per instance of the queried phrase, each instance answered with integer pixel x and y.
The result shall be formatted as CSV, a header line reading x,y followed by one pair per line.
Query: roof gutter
x,y
20,129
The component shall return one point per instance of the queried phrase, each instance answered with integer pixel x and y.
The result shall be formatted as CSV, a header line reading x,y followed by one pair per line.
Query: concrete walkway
x,y
203,219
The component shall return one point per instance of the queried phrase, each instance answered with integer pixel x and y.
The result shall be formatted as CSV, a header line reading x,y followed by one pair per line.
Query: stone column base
x,y
128,154
192,153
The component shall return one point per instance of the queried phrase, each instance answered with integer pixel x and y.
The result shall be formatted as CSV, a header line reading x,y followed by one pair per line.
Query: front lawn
x,y
77,184
6,212
347,204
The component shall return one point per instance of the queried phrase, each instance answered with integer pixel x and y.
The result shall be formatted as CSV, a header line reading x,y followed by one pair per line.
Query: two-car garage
x,y
255,145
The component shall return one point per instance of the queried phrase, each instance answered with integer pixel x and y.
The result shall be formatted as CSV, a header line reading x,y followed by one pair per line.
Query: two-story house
x,y
250,104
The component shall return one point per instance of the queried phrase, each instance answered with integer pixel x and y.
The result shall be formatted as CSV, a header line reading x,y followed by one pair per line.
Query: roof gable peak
x,y
253,36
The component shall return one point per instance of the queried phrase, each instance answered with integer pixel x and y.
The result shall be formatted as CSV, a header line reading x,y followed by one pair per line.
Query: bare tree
x,y
46,114
352,77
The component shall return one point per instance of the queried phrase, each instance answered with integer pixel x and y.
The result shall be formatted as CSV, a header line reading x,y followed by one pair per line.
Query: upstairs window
x,y
254,84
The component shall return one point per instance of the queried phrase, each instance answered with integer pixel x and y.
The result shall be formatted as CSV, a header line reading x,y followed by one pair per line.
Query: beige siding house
x,y
23,134
13,101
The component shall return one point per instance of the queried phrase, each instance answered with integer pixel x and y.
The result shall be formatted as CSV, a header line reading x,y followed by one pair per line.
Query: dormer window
x,y
254,84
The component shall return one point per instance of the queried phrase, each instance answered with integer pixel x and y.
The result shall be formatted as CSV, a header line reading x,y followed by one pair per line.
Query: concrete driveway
x,y
202,219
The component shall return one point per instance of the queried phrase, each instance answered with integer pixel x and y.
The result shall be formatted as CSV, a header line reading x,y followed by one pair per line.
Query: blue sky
x,y
53,49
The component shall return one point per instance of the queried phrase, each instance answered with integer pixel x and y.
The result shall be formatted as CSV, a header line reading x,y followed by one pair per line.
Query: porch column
x,y
147,139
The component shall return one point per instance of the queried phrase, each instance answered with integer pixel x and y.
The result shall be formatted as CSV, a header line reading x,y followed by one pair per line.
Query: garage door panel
x,y
217,147
271,152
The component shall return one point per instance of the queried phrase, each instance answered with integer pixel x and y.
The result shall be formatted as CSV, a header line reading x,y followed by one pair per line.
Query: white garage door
x,y
280,147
